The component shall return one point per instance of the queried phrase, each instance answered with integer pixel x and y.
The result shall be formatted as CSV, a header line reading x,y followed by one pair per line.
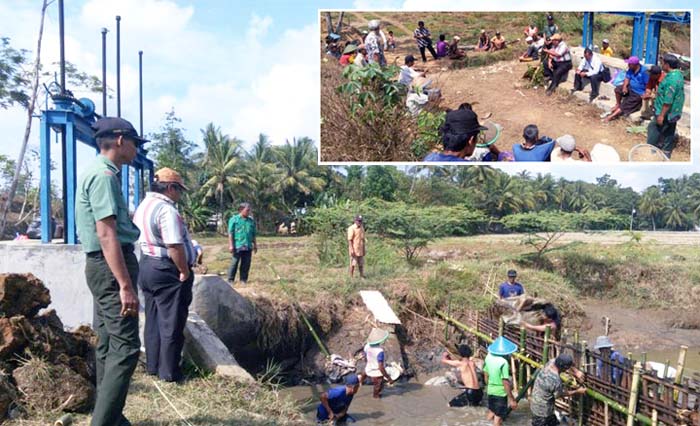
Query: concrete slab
x,y
208,352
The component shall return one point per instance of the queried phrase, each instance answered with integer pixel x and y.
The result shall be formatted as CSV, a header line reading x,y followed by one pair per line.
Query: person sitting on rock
x,y
472,394
498,42
453,51
336,402
629,94
375,368
533,148
484,43
656,75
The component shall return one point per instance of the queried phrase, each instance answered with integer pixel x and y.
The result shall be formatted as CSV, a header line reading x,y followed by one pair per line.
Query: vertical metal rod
x,y
62,67
104,72
141,92
62,46
119,78
45,178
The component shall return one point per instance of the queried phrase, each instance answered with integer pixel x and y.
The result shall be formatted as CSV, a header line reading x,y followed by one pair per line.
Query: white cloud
x,y
377,4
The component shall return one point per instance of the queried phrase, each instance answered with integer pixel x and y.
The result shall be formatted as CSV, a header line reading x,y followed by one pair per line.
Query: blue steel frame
x,y
653,31
77,128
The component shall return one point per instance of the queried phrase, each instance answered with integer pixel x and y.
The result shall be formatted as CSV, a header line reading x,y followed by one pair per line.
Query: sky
x,y
248,67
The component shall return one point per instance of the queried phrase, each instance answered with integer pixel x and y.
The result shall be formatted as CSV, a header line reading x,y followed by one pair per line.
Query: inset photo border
x,y
484,87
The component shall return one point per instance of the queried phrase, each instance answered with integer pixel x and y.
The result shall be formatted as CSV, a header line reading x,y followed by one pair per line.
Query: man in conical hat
x,y
497,378
375,367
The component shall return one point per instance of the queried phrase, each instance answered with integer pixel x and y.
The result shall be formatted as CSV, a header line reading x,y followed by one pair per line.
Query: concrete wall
x,y
61,268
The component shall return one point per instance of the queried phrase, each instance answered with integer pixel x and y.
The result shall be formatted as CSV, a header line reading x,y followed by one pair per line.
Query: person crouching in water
x,y
472,394
336,402
375,367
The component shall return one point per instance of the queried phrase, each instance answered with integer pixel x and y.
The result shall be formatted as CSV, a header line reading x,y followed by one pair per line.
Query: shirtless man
x,y
472,394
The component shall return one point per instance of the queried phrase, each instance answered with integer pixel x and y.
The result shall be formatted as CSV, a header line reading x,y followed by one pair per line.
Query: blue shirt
x,y
638,81
438,156
615,372
338,400
537,153
507,289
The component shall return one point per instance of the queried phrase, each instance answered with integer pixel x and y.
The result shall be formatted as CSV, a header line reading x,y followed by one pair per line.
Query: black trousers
x,y
581,82
243,259
167,301
430,49
117,350
558,72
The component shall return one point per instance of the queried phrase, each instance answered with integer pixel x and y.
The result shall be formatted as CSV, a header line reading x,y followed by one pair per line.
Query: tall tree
x,y
652,204
222,163
170,147
297,183
30,115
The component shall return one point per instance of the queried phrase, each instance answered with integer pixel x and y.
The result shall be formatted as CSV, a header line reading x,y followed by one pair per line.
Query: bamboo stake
x,y
545,348
606,414
313,333
582,363
590,392
515,377
654,417
634,394
501,324
679,370
521,371
449,313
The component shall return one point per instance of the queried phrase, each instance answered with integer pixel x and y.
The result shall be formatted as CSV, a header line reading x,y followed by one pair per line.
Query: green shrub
x,y
429,124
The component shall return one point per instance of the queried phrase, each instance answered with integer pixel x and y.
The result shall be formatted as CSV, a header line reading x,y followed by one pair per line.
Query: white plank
x,y
377,304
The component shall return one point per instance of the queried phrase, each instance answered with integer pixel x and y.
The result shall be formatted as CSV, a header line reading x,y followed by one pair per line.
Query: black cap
x,y
409,58
671,60
116,126
512,273
550,17
462,121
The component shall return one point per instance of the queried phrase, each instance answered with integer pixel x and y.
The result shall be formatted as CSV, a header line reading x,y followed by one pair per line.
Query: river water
x,y
407,404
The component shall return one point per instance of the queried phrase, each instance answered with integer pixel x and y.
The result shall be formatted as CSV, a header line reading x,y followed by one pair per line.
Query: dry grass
x,y
201,401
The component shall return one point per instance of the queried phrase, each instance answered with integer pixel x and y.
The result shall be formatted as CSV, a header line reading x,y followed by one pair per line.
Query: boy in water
x,y
472,394
336,402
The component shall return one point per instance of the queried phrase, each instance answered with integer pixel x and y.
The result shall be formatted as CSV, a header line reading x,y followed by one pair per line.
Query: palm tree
x,y
652,204
297,184
676,217
258,181
222,162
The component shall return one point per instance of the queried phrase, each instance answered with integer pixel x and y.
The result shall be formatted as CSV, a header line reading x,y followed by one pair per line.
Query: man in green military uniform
x,y
111,270
668,107
549,386
241,242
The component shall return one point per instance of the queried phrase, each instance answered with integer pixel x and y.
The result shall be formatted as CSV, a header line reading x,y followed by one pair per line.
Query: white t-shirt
x,y
375,355
407,75
593,67
556,158
415,102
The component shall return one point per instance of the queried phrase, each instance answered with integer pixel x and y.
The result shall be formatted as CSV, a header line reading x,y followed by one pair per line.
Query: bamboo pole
x,y
590,392
606,414
582,363
654,417
515,377
501,325
313,333
545,348
634,394
449,313
523,341
679,370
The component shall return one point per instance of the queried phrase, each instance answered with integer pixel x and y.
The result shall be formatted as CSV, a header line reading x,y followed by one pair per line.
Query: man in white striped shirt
x,y
165,274
589,70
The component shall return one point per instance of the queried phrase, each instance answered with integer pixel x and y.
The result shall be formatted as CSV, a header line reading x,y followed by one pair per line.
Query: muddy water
x,y
692,359
407,404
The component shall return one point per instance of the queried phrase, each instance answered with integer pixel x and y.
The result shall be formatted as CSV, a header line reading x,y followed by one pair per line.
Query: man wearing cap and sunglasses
x,y
165,274
111,269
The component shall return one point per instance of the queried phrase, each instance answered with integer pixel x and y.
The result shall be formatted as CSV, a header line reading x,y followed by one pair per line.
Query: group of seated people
x,y
465,139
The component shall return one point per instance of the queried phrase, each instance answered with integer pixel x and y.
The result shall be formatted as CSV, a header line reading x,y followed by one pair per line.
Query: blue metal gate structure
x,y
75,118
652,21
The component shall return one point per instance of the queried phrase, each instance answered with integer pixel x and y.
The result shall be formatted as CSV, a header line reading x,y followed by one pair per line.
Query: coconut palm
x,y
297,184
222,164
652,204
676,216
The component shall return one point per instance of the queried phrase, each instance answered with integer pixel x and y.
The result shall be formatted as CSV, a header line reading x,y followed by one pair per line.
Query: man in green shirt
x,y
668,107
241,242
111,270
497,378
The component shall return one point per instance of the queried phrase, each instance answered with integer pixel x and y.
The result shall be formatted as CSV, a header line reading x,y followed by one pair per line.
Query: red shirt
x,y
345,59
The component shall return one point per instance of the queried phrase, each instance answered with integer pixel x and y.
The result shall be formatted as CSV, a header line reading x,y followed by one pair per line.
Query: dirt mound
x,y
22,294
48,387
53,369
